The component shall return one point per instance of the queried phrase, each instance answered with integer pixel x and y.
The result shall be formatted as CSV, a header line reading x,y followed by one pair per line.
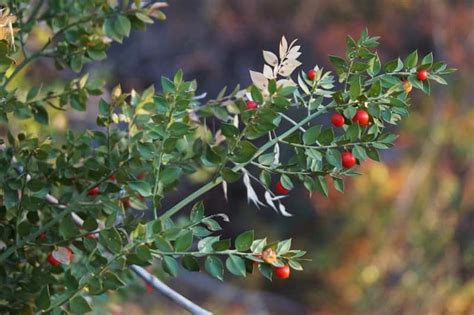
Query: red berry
x,y
362,117
348,159
149,288
422,74
62,255
93,191
337,120
53,261
92,235
112,178
125,203
311,74
280,189
282,272
251,105
41,237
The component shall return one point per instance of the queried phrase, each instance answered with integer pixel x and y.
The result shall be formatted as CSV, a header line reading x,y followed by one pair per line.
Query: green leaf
x,y
111,281
212,224
322,185
235,265
266,270
338,184
353,132
229,175
373,154
214,267
333,156
244,153
375,89
326,137
197,213
286,182
170,266
258,245
79,305
167,85
221,245
163,244
205,245
41,115
295,265
109,30
190,263
427,61
111,239
43,300
355,89
67,228
311,135
184,242
229,130
411,60
359,153
256,94
169,175
122,26
244,241
141,187
283,247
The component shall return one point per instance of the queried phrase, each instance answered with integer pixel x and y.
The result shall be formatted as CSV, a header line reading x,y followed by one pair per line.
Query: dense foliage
x,y
69,216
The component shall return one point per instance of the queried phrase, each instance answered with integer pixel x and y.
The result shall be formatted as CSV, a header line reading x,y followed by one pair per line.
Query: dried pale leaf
x,y
293,42
285,83
283,47
259,80
288,67
224,188
294,49
235,121
223,216
270,58
268,72
283,211
293,55
219,137
303,85
268,199
276,151
251,194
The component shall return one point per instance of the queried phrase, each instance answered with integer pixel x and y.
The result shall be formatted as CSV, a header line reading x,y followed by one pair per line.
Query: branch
x,y
168,292
260,151
142,273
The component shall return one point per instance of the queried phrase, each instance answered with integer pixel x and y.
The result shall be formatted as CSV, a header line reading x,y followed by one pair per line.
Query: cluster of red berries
x,y
361,117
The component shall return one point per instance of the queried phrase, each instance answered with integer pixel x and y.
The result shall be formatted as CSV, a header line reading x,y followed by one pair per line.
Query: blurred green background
x,y
401,239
